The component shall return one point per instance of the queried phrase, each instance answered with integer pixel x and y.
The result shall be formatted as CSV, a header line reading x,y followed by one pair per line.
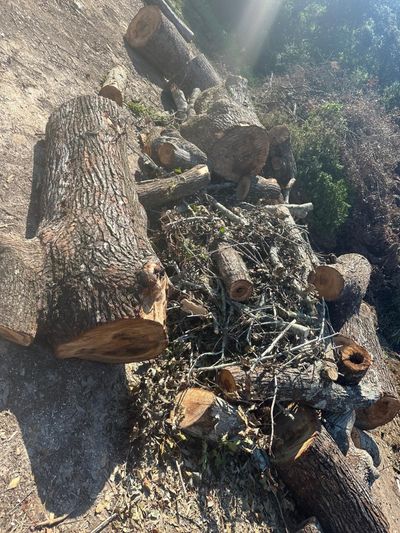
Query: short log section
x,y
105,289
233,272
114,85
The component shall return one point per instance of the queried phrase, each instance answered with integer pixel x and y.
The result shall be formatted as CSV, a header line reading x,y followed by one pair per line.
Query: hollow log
x,y
21,265
311,525
184,30
322,483
160,192
233,272
105,289
264,190
203,415
231,135
115,84
361,328
197,73
170,150
158,40
353,361
296,385
345,282
280,163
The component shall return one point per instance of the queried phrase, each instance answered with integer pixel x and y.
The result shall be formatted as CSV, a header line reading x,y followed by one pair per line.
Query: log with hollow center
x,y
354,360
317,474
102,294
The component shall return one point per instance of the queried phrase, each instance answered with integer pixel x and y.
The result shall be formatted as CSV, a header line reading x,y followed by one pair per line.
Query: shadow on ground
x,y
73,419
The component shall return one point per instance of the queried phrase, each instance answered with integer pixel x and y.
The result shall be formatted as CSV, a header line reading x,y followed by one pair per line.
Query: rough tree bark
x,y
263,190
313,468
280,163
170,150
159,192
233,272
115,84
231,135
201,414
105,289
310,526
154,36
21,265
197,73
361,328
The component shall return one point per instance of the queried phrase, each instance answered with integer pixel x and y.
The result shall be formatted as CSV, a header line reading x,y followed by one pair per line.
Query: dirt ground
x,y
65,425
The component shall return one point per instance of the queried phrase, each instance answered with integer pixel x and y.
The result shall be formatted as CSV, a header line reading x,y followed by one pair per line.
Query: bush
x,y
391,96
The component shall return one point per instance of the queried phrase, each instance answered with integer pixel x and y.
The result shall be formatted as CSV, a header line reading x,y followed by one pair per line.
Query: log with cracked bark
x,y
262,190
319,477
231,135
103,296
160,192
115,84
201,414
197,73
233,272
170,150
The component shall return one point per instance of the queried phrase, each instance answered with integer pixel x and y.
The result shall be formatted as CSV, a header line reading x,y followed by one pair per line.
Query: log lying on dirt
x,y
280,163
105,289
231,135
201,414
154,36
115,84
361,328
233,272
160,192
21,265
197,73
344,282
295,385
186,32
263,190
170,150
316,472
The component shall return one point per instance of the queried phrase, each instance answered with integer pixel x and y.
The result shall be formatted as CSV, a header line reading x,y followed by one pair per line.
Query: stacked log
x,y
103,293
281,163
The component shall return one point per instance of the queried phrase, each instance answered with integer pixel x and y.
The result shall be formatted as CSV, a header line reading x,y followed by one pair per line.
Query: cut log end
x,y
122,341
240,290
378,414
190,406
354,360
328,282
112,93
143,26
19,337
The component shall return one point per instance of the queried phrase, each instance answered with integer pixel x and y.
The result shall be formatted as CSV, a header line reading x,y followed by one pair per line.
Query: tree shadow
x,y
73,419
33,216
143,67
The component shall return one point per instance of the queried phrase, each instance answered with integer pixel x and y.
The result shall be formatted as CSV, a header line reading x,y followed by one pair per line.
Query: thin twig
x,y
264,356
227,212
178,466
104,524
272,414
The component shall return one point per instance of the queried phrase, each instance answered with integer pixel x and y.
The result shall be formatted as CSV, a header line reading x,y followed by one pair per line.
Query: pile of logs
x,y
91,285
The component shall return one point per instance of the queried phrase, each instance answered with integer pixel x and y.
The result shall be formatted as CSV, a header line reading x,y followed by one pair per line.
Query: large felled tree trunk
x,y
322,483
361,327
154,36
198,73
104,297
231,135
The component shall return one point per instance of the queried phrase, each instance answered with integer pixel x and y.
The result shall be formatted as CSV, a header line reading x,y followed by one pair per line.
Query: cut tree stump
x,y
160,192
105,289
231,135
156,37
21,265
203,415
322,483
280,163
233,272
361,328
115,85
170,150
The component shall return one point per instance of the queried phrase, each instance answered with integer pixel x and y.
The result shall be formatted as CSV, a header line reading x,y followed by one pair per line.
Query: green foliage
x,y
317,146
391,96
139,109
